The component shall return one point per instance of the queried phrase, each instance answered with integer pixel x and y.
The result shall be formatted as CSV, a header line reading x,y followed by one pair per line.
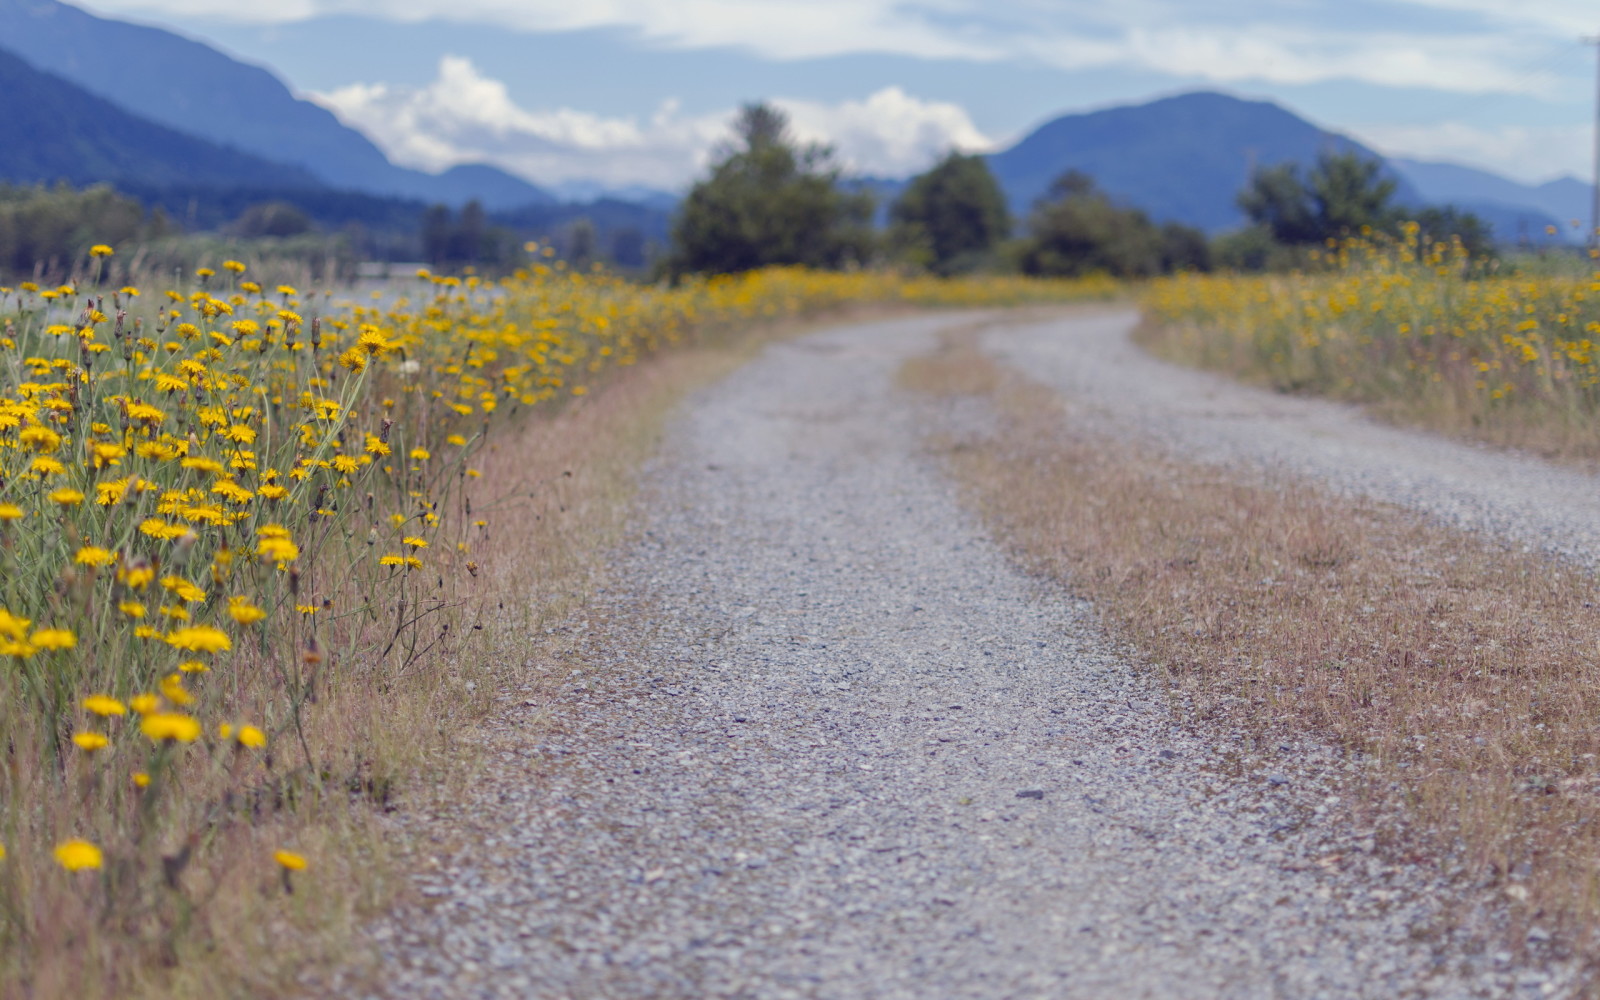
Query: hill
x,y
63,133
190,87
1181,159
1519,207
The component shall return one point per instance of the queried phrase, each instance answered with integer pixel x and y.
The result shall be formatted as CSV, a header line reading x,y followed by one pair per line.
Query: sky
x,y
640,92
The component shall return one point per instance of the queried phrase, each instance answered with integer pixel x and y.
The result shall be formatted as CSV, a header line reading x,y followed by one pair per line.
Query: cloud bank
x,y
463,116
1462,46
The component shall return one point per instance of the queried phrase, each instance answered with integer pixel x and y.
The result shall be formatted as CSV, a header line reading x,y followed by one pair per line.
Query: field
x,y
245,533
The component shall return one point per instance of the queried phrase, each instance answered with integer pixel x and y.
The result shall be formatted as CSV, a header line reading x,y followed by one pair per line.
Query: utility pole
x,y
1594,212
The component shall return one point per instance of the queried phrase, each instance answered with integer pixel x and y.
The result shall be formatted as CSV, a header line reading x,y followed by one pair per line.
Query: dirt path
x,y
831,744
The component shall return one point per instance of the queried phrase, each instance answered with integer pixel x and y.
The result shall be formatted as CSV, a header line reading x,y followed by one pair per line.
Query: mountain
x,y
1181,159
1520,207
66,133
191,87
639,194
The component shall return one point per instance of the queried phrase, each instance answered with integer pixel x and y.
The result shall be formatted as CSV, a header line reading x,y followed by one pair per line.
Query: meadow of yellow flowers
x,y
1415,327
220,502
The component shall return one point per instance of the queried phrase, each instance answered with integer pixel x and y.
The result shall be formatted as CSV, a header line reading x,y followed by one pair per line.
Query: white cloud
x,y
1221,40
1532,154
889,133
466,117
1295,56
1566,17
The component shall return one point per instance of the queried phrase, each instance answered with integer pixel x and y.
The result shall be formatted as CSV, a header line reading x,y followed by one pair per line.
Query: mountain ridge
x,y
84,139
228,102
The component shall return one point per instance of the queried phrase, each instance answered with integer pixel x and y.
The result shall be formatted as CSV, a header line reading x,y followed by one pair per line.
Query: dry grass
x,y
1467,671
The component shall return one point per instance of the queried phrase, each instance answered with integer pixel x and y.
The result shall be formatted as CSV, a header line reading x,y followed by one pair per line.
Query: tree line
x,y
770,200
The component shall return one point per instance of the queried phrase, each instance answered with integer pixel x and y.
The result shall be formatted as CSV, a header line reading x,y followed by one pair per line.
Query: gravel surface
x,y
831,744
1089,359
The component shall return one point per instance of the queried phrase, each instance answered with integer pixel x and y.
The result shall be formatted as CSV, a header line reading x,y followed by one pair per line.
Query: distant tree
x,y
48,230
437,227
1277,200
1077,229
271,218
582,243
1184,248
1442,225
1343,193
769,201
467,242
950,218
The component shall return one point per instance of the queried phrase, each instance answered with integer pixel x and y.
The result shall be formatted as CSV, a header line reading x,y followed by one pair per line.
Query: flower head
x,y
78,855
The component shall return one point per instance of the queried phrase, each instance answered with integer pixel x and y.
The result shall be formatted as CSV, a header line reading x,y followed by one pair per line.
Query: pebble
x,y
834,811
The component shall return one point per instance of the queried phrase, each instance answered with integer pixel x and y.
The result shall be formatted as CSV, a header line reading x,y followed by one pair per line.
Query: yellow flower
x,y
200,639
420,454
141,779
133,609
100,250
104,705
233,265
66,497
90,742
54,638
172,686
183,589
250,736
289,860
166,726
144,704
78,855
243,611
193,667
93,555
137,577
9,512
278,550
414,542
14,626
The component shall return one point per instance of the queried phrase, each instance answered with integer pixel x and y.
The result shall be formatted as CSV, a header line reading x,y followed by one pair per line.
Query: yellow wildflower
x,y
90,742
241,610
170,726
78,855
54,638
104,705
200,639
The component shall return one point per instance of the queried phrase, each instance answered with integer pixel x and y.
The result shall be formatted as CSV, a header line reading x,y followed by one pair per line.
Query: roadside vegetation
x,y
1459,671
1417,327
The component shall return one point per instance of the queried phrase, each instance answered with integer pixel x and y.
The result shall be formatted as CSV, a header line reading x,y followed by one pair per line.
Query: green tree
x,y
272,218
1077,229
951,218
1343,193
582,243
770,201
1441,225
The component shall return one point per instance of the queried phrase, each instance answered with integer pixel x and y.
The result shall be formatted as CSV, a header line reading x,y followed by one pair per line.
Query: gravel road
x,y
1116,386
830,743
